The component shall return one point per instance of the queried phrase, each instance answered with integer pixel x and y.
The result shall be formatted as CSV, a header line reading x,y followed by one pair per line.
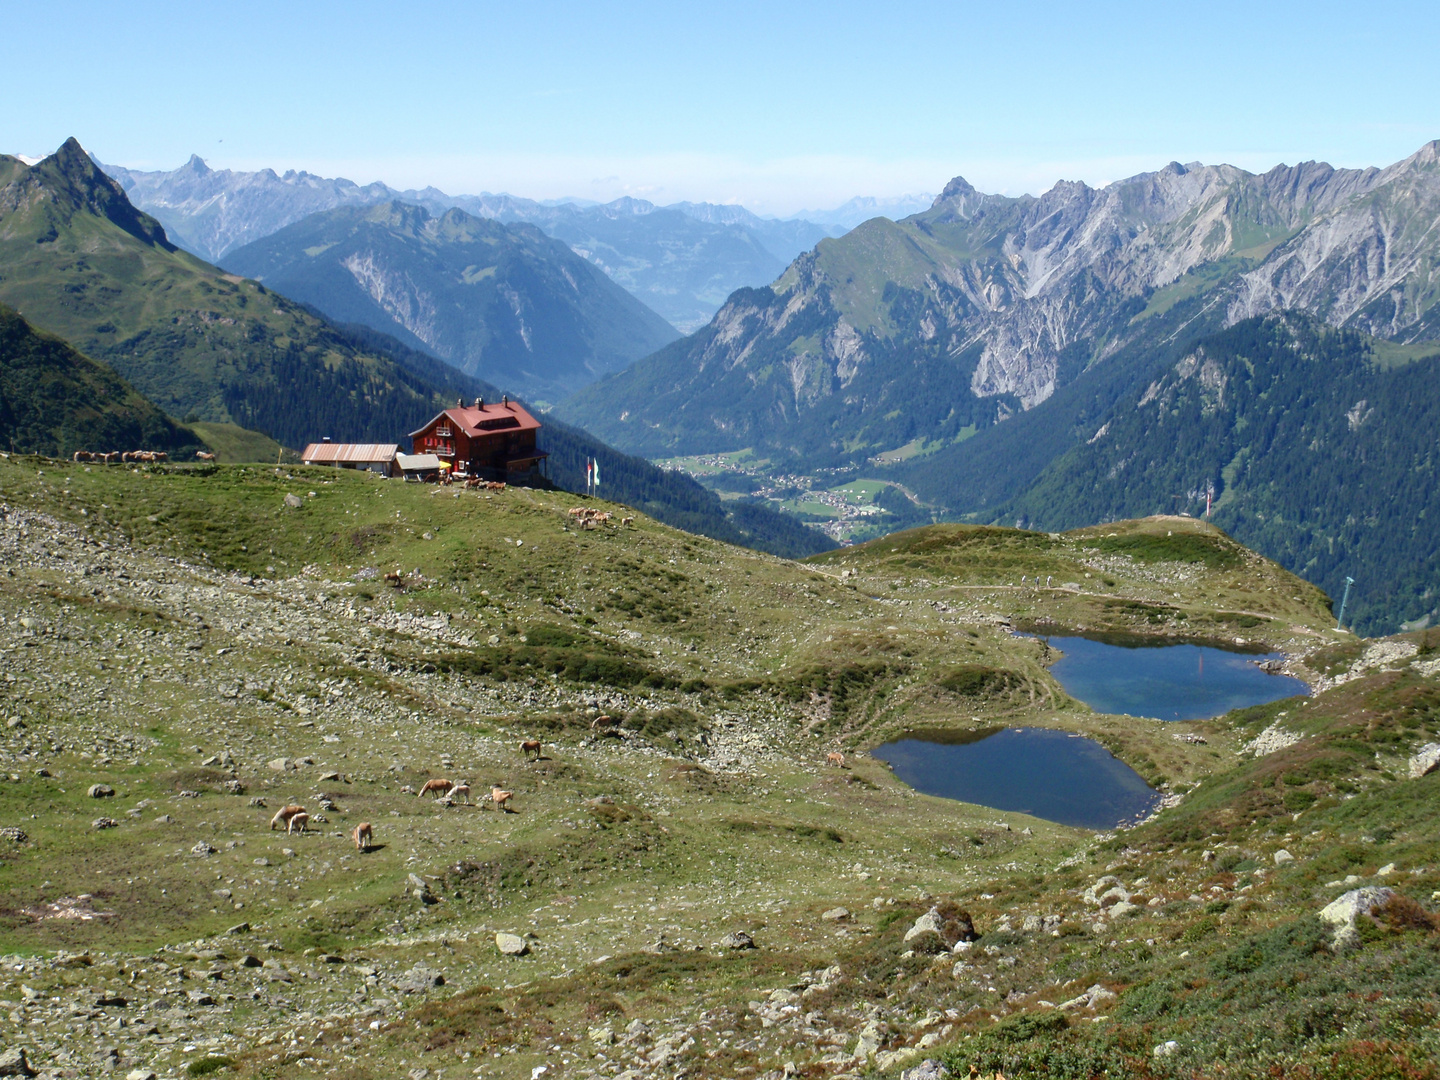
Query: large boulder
x,y
1425,761
511,944
14,1063
929,1069
940,928
420,978
1342,912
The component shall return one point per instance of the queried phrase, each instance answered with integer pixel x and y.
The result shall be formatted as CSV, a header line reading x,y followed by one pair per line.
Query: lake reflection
x,y
1048,774
1166,682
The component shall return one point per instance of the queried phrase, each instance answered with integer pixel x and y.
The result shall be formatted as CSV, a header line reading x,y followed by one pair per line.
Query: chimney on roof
x,y
325,439
480,403
460,403
505,400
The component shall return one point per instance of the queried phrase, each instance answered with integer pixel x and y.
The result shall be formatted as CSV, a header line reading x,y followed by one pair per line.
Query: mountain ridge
x,y
682,264
501,302
1017,296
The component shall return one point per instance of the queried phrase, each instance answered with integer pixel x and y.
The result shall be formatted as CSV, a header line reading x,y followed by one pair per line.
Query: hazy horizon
x,y
778,110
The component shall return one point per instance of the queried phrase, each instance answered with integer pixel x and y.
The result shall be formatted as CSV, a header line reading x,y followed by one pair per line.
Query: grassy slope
x,y
80,262
55,401
691,846
233,445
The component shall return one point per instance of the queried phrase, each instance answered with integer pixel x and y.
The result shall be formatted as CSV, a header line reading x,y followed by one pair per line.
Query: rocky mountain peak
x,y
959,199
197,165
75,184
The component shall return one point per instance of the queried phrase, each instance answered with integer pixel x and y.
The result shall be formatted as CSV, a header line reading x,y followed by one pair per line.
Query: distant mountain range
x,y
921,332
79,262
864,207
505,303
681,260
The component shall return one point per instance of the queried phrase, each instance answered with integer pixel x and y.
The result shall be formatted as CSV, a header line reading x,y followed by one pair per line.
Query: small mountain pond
x,y
1048,774
1068,778
1135,677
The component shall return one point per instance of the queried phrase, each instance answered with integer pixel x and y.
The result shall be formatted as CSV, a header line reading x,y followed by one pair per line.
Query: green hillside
x,y
207,652
55,401
233,444
504,303
78,261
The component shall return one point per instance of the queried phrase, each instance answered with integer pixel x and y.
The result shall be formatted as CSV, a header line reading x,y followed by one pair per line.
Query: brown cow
x,y
501,799
364,836
285,815
459,791
299,823
835,758
439,784
530,746
203,456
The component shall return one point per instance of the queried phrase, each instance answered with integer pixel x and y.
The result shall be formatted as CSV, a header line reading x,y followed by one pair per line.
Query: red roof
x,y
487,419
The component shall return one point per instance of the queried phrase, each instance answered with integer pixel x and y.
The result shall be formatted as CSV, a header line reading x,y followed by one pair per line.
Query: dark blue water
x,y
1048,774
1166,682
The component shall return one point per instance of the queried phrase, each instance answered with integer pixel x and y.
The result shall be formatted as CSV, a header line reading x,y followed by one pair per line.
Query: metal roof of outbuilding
x,y
328,453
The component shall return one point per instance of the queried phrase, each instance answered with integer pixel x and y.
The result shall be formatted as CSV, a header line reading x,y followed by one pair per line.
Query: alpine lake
x,y
1067,778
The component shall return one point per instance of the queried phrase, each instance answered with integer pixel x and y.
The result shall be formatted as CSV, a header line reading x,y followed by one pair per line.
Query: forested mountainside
x,y
924,331
1319,446
55,401
500,302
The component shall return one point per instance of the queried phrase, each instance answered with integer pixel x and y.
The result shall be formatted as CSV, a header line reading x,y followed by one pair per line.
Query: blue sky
x,y
780,106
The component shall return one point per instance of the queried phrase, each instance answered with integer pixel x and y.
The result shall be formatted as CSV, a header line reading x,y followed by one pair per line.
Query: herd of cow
x,y
587,517
144,457
294,818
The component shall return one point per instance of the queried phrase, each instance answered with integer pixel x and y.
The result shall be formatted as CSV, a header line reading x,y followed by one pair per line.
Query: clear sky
x,y
777,105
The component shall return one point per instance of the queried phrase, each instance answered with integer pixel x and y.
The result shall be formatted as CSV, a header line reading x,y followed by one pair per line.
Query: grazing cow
x,y
285,815
459,791
395,580
203,456
501,799
299,823
835,758
530,746
364,836
439,784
